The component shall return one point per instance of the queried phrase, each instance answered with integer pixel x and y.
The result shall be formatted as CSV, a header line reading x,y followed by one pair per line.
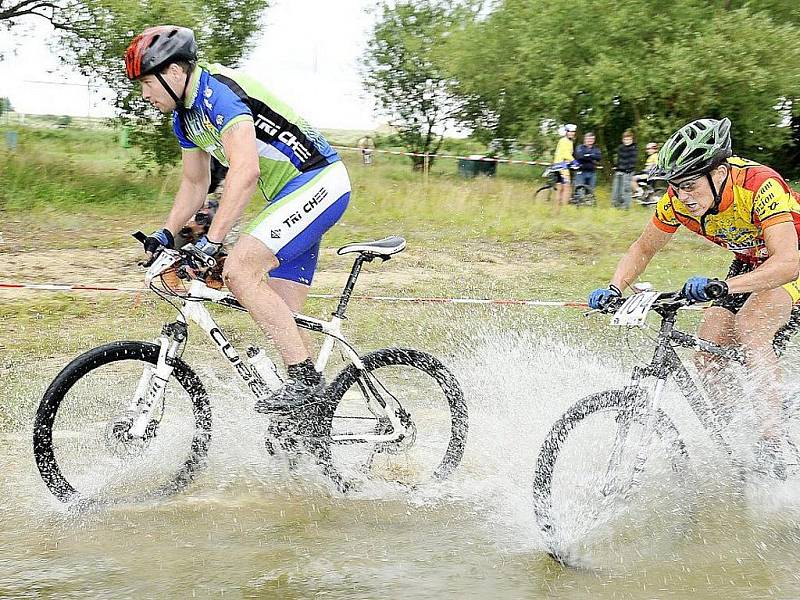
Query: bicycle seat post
x,y
351,283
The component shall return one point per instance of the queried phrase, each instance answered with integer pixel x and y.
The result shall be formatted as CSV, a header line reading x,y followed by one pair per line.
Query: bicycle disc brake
x,y
119,440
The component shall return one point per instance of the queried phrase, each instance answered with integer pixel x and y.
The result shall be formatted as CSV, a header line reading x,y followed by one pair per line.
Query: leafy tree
x,y
610,65
93,36
5,105
403,69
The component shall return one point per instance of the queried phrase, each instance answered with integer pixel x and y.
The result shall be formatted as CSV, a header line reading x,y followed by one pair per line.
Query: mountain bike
x,y
582,195
596,463
132,415
650,192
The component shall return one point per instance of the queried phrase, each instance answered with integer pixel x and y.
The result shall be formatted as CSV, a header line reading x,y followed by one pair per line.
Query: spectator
x,y
652,156
367,146
621,187
642,177
588,156
564,153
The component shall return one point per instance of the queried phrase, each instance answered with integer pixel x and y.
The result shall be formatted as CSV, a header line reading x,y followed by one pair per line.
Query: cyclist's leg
x,y
719,327
292,281
564,190
762,315
288,227
722,385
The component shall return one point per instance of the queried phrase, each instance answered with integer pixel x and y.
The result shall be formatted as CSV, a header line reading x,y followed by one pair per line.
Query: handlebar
x,y
715,289
189,252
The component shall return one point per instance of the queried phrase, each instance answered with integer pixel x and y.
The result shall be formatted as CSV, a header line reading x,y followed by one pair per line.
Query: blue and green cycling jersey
x,y
217,97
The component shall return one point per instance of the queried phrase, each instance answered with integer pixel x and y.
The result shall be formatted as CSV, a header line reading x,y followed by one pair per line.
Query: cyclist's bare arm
x,y
780,268
195,179
639,255
239,142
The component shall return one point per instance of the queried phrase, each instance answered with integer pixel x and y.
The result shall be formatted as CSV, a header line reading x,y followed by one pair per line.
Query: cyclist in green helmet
x,y
750,210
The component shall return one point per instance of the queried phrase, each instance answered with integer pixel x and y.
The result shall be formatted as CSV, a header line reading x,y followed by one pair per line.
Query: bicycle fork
x,y
625,481
153,382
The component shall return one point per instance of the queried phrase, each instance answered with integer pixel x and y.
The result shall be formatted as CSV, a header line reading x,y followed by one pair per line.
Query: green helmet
x,y
695,148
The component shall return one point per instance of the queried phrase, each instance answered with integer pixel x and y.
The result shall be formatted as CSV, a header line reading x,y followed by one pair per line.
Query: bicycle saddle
x,y
384,248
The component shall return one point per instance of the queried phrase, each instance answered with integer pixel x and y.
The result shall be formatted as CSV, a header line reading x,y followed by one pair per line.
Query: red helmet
x,y
159,46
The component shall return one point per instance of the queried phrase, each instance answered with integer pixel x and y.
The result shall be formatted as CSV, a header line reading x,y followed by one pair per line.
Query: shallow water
x,y
250,528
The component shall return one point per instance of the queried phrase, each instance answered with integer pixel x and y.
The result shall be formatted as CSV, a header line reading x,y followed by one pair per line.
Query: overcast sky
x,y
307,54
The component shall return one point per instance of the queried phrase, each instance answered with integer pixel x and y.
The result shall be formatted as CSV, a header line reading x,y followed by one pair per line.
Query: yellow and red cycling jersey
x,y
753,198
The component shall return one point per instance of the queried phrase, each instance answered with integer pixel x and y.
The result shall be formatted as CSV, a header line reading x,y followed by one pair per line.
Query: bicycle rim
x,y
78,449
592,491
433,441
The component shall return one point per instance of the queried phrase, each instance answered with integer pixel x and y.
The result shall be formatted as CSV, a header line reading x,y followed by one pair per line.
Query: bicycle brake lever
x,y
206,261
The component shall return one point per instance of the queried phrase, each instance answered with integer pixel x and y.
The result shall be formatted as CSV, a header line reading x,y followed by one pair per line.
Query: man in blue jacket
x,y
588,155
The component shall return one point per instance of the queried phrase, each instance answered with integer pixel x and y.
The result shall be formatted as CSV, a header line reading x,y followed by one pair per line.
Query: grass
x,y
67,194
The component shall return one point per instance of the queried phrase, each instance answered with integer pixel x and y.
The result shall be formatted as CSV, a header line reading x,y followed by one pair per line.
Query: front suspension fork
x,y
153,382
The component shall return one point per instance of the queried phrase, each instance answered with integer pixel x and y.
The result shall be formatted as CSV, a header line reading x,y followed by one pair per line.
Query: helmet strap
x,y
170,91
717,192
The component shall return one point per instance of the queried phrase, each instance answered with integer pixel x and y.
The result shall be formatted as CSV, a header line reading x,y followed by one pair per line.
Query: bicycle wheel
x,y
582,196
544,193
79,439
597,478
433,409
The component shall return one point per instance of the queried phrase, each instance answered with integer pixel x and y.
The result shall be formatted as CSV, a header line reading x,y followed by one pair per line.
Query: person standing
x,y
623,173
564,154
588,156
367,146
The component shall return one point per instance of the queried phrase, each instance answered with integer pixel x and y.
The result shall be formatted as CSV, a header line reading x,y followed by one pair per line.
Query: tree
x,y
93,36
403,69
611,65
5,105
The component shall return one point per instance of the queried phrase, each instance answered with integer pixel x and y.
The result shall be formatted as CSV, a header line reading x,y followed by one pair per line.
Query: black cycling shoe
x,y
293,396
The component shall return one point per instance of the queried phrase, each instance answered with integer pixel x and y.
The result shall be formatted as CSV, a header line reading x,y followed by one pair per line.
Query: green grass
x,y
71,190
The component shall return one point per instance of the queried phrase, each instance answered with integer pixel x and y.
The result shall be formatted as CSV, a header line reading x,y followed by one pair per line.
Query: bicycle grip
x,y
716,289
140,236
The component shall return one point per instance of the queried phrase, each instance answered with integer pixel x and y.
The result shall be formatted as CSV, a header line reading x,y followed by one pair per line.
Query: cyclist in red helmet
x,y
225,114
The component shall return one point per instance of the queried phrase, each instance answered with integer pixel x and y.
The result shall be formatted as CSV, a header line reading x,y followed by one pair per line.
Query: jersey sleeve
x,y
224,107
664,217
772,203
178,130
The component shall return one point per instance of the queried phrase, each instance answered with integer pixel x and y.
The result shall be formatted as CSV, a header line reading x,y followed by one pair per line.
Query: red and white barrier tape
x,y
438,156
54,287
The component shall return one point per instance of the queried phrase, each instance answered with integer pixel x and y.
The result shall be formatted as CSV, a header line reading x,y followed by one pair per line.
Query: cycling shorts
x,y
293,223
734,302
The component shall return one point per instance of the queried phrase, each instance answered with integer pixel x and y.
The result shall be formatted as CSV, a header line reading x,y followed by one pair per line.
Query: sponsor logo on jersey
x,y
272,129
208,92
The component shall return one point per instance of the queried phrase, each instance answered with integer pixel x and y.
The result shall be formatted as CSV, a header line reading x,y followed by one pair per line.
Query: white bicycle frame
x,y
152,384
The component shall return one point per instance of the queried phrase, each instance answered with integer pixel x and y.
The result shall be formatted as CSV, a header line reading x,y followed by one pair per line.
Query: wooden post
x,y
425,170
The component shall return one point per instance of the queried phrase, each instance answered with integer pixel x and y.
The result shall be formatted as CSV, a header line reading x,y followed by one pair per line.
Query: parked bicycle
x,y
650,192
131,416
582,195
591,468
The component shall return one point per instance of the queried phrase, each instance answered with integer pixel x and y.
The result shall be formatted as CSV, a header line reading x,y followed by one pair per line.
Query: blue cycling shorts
x,y
292,225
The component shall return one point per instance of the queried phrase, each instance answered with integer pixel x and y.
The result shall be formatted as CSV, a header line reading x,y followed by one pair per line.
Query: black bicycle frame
x,y
666,362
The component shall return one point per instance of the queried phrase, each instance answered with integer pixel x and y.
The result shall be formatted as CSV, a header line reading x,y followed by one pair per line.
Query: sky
x,y
306,54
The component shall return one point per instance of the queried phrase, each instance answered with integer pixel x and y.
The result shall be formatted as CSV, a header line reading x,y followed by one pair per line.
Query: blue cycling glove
x,y
207,247
600,297
696,289
159,239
